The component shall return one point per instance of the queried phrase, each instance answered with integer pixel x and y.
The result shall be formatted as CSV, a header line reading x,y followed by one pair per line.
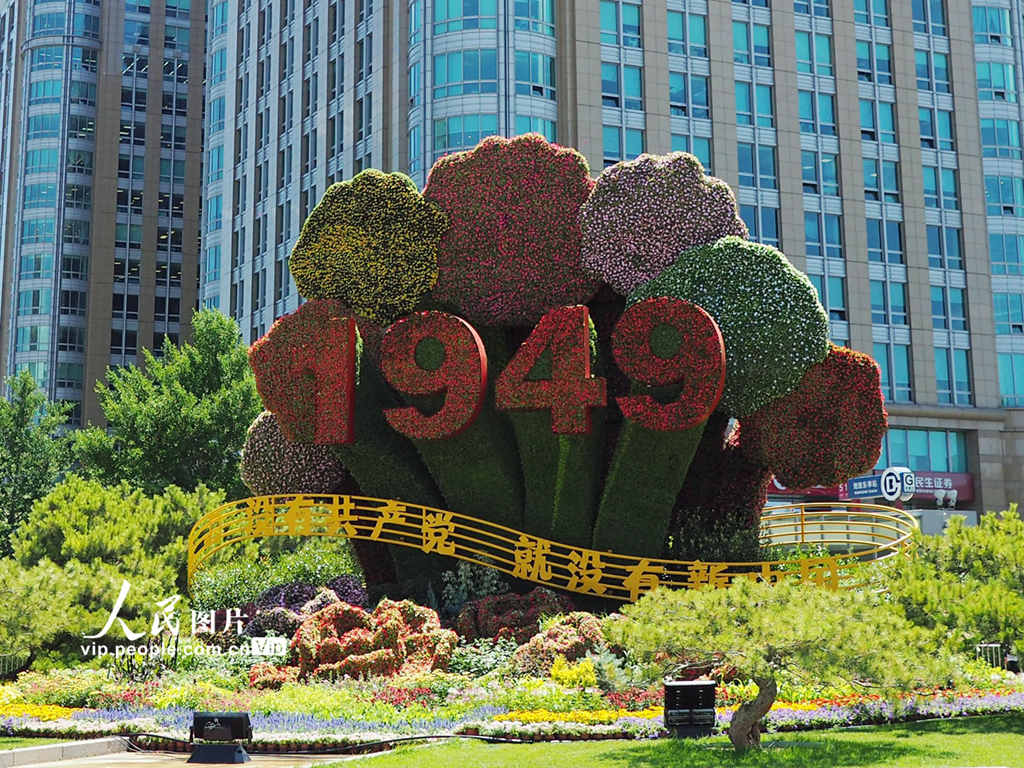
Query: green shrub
x,y
146,536
967,583
234,584
482,656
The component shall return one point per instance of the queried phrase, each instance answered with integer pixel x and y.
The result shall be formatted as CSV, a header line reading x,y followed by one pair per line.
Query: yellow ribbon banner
x,y
858,532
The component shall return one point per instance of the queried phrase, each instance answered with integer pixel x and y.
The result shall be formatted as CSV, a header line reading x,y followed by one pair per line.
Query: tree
x,y
765,631
33,452
181,419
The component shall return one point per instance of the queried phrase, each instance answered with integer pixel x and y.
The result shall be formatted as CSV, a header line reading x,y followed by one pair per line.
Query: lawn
x,y
10,743
989,741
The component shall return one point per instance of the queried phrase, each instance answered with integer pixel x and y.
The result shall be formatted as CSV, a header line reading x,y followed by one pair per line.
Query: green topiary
x,y
371,242
772,322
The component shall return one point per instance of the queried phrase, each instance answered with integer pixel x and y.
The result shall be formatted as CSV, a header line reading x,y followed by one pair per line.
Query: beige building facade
x,y
876,142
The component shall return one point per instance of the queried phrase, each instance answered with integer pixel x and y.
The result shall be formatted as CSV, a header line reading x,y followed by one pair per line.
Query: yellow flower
x,y
584,716
37,711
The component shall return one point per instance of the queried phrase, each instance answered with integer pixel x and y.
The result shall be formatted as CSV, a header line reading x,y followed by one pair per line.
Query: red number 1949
x,y
306,369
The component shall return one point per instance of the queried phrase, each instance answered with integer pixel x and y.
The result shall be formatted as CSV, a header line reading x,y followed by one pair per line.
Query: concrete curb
x,y
69,750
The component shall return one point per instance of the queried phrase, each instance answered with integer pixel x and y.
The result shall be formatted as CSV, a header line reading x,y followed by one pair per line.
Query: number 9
x,y
663,341
430,353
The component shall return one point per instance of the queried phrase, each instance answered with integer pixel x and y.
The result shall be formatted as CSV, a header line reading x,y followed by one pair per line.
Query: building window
x,y
532,124
948,308
33,338
997,81
751,44
817,113
73,303
136,33
620,24
535,16
932,71
924,450
1011,379
757,166
762,223
814,53
894,360
37,231
462,132
688,95
992,26
1009,313
877,121
832,294
688,33
937,128
888,303
466,72
885,241
823,234
929,17
874,62
881,180
1000,138
42,127
218,19
755,103
944,247
40,196
84,59
1007,252
48,24
38,370
874,12
34,302
820,172
535,75
1004,195
617,147
47,57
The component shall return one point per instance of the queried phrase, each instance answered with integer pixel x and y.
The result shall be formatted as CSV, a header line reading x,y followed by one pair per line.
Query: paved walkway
x,y
178,760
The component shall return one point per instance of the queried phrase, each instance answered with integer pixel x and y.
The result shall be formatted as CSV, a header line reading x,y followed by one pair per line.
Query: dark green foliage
x,y
477,470
967,583
482,656
385,465
647,470
178,420
561,473
33,453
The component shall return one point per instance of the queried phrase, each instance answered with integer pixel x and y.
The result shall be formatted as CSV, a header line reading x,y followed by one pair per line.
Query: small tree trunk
x,y
745,728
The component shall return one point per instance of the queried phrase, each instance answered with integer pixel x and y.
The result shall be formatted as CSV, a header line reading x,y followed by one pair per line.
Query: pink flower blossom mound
x,y
512,249
271,463
644,213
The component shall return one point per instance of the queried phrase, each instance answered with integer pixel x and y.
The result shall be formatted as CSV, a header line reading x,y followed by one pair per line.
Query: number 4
x,y
566,386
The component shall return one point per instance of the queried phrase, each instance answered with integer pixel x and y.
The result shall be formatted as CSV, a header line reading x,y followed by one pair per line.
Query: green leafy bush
x,y
482,656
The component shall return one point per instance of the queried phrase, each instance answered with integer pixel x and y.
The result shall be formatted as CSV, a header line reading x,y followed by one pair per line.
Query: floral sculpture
x,y
604,364
371,242
345,640
509,615
642,214
573,636
512,250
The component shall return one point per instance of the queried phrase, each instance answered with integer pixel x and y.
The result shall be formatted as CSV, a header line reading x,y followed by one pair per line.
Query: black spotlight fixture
x,y
690,707
229,728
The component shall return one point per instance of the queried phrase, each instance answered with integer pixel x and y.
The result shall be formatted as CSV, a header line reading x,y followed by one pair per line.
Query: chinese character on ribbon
x,y
947,483
643,577
166,618
585,572
118,604
437,528
531,559
824,572
343,520
707,574
389,513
